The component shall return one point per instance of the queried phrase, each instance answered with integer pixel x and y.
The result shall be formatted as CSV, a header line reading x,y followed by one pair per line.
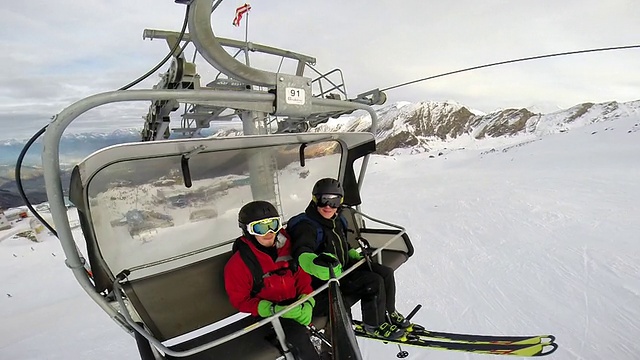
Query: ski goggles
x,y
332,200
264,226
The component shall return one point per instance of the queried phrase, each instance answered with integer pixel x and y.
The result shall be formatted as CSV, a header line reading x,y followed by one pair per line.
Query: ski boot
x,y
384,331
399,320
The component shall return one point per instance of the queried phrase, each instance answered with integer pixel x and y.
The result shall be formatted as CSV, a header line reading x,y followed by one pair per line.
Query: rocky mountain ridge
x,y
422,126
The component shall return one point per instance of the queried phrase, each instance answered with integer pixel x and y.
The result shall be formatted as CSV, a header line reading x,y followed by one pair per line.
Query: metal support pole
x,y
281,338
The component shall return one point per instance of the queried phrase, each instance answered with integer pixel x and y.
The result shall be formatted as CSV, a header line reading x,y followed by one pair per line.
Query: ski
x,y
420,332
540,349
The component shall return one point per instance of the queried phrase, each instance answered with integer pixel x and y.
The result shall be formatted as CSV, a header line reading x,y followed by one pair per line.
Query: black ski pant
x,y
298,336
375,288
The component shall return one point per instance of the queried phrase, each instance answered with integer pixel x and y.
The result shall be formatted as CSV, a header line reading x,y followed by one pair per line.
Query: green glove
x,y
267,308
318,266
354,255
306,314
310,300
306,311
291,314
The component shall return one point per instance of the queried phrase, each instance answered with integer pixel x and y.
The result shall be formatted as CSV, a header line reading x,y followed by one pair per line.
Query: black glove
x,y
327,260
365,248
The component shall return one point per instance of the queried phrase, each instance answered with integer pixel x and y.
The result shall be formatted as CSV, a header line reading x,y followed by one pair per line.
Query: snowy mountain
x,y
425,126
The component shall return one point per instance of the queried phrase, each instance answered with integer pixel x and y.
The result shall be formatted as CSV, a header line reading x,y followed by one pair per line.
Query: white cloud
x,y
58,54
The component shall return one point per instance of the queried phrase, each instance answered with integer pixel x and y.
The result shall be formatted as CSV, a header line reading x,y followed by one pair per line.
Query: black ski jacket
x,y
304,234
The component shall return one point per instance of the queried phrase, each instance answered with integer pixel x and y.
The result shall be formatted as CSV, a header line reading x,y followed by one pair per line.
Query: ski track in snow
x,y
540,238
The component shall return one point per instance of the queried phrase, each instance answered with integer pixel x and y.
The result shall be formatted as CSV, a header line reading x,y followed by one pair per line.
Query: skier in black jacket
x,y
375,288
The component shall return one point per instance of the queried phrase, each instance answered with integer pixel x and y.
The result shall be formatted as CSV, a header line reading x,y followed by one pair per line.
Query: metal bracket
x,y
293,96
371,97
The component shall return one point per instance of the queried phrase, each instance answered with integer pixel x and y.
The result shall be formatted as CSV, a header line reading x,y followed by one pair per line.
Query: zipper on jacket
x,y
342,258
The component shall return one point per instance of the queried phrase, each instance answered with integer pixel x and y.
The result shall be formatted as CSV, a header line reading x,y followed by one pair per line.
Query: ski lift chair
x,y
157,269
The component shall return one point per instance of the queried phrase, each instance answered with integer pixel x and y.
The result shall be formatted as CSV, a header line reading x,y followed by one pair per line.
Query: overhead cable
x,y
512,61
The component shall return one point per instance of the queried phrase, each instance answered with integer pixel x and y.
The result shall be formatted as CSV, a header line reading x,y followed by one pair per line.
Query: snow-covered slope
x,y
538,237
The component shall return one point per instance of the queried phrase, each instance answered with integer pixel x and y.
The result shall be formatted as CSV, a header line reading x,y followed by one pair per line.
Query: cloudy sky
x,y
56,53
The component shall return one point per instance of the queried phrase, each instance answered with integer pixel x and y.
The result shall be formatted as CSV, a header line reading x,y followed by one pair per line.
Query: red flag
x,y
239,12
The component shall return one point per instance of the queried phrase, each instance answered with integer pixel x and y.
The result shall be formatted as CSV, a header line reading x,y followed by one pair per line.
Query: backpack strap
x,y
319,231
258,274
345,224
304,217
252,263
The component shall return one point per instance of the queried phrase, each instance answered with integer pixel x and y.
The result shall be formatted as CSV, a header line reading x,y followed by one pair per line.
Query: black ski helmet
x,y
256,210
327,186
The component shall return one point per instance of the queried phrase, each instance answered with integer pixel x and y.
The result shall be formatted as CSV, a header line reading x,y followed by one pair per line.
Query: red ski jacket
x,y
279,287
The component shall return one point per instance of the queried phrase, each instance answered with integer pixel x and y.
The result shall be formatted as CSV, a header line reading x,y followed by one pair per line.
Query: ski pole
x,y
403,353
414,311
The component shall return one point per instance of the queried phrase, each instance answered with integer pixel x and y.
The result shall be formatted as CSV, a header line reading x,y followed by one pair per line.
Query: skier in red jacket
x,y
264,242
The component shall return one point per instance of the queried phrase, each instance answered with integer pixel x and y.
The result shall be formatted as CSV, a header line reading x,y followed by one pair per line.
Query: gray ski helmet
x,y
327,186
256,210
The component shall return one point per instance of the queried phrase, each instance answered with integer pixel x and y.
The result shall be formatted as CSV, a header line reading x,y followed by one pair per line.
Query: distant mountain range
x,y
402,128
425,126
73,147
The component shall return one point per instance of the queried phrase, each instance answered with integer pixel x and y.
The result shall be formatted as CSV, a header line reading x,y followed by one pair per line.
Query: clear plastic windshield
x,y
143,213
